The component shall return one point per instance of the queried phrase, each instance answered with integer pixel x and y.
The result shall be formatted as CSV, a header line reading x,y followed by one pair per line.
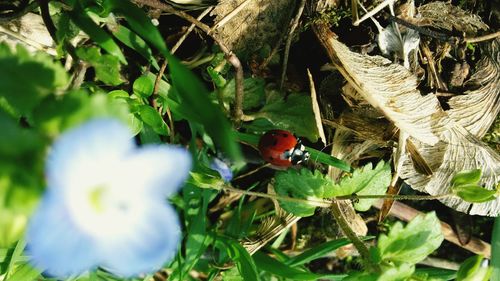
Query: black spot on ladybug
x,y
285,135
271,158
275,142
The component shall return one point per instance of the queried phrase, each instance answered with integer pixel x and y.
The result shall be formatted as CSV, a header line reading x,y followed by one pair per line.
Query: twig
x,y
19,13
288,44
326,203
350,234
79,76
252,171
373,12
483,38
230,56
164,66
229,16
190,29
51,28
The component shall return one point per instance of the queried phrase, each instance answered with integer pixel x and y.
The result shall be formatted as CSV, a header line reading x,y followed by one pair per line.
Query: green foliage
x,y
412,243
293,113
304,184
254,92
317,252
278,268
45,77
300,184
143,86
107,67
474,268
133,41
244,262
465,185
37,105
364,181
103,39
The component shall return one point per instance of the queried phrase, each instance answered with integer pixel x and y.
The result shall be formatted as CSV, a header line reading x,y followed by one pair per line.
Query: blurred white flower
x,y
105,203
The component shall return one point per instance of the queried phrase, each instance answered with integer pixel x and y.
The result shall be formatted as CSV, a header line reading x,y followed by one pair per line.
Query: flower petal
x,y
223,169
158,169
152,243
55,244
84,156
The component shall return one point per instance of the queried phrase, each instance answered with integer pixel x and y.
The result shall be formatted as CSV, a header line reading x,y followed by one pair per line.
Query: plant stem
x,y
326,203
350,234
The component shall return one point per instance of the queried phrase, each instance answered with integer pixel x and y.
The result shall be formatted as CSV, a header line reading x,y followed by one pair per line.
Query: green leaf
x,y
377,185
293,114
435,274
107,67
363,181
56,114
266,263
25,79
16,256
397,273
241,257
194,96
103,39
412,243
389,273
327,159
65,28
143,86
24,272
136,43
139,22
317,252
206,179
466,177
21,176
151,117
474,193
254,92
301,184
474,268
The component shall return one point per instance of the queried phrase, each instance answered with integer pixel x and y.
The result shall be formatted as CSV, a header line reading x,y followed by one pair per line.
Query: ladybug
x,y
282,149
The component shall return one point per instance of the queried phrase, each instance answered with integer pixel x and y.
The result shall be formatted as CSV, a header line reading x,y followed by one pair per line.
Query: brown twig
x,y
21,11
294,24
230,56
483,38
190,29
162,71
51,28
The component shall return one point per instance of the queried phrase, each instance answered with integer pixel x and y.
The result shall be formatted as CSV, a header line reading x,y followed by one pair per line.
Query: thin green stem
x,y
395,197
326,203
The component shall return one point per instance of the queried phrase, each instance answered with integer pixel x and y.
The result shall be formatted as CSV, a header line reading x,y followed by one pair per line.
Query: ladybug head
x,y
299,154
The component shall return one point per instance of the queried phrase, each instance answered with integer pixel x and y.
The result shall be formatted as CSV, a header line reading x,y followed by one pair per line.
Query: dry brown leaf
x,y
390,88
446,16
477,109
446,146
458,151
257,24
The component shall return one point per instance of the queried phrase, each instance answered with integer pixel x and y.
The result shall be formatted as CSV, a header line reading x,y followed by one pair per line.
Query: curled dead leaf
x,y
449,17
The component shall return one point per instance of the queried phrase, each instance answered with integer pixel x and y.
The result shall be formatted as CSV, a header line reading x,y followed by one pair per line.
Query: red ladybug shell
x,y
277,146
